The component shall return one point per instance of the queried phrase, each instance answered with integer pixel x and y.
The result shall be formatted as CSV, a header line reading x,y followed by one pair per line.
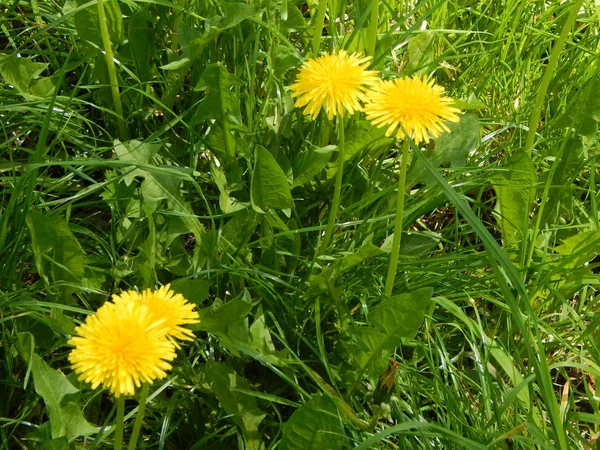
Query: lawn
x,y
326,225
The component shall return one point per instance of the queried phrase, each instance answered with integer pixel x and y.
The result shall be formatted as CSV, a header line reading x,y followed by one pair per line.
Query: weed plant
x,y
156,142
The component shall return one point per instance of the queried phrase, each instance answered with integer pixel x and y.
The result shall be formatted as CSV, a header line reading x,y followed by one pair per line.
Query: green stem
x,y
137,425
318,27
399,222
175,28
372,31
119,424
552,63
112,72
335,204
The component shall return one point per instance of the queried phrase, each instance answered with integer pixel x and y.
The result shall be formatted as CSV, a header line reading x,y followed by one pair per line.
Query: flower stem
x,y
112,73
372,31
318,27
399,221
120,422
552,62
335,204
137,425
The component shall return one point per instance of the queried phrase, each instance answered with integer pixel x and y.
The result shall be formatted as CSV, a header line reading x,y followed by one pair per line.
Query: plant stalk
x,y
398,222
318,27
120,422
335,204
176,23
372,30
112,72
137,425
536,113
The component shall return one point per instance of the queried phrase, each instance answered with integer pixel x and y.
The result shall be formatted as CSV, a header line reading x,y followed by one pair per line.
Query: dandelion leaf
x,y
24,75
420,53
394,320
270,188
583,113
307,164
58,255
515,184
241,407
220,104
66,417
160,183
316,425
87,25
229,322
451,149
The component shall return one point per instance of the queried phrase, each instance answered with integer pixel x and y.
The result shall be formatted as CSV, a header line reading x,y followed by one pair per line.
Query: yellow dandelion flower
x,y
336,82
165,304
120,347
414,105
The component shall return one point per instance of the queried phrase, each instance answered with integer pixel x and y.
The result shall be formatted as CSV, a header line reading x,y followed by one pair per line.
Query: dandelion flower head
x,y
121,346
336,82
412,105
164,304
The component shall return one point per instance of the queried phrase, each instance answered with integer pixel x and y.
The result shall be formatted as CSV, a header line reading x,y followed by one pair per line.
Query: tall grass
x,y
498,267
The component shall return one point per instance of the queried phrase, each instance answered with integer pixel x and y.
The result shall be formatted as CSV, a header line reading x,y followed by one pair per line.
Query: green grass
x,y
503,239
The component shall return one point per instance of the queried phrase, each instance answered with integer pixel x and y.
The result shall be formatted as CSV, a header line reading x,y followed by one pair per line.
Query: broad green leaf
x,y
176,64
471,102
192,41
194,290
137,153
142,41
234,13
582,248
360,135
320,283
284,59
309,163
160,183
221,103
238,230
241,407
51,385
58,255
88,26
316,425
270,187
420,53
413,245
293,22
559,199
515,185
450,148
228,179
66,418
56,444
262,342
24,75
367,251
583,113
462,139
394,320
229,322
